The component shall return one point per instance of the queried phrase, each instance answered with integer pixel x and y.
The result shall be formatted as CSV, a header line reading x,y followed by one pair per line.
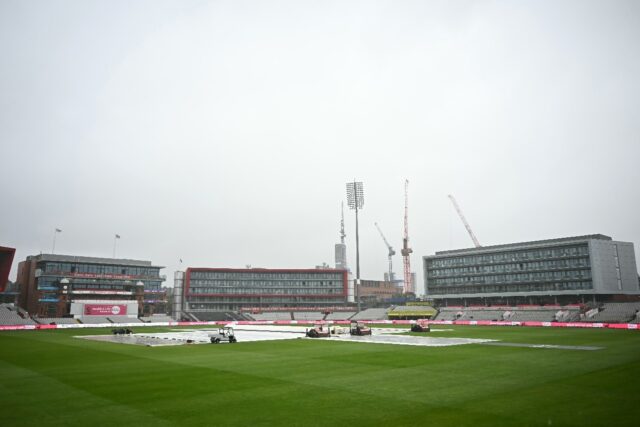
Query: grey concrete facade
x,y
613,266
581,266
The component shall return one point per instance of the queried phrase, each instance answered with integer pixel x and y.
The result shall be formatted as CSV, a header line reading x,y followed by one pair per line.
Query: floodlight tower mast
x,y
355,200
464,221
406,250
391,253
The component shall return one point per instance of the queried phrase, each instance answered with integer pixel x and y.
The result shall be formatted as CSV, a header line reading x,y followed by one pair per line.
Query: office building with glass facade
x,y
228,289
53,285
566,270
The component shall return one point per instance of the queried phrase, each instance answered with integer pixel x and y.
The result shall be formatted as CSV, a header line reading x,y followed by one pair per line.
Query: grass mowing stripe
x,y
109,382
305,382
577,400
31,398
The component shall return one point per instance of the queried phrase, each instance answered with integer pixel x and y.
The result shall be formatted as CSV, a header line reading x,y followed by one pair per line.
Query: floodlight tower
x,y
55,233
355,200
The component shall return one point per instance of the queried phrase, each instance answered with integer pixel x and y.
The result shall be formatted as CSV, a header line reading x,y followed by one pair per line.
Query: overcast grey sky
x,y
223,133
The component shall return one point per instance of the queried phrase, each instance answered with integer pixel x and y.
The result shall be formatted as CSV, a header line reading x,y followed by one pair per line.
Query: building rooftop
x,y
91,260
525,244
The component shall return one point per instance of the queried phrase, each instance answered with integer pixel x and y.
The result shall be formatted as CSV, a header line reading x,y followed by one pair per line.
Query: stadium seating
x,y
308,315
616,312
12,315
371,314
157,318
450,313
568,315
211,316
93,320
495,315
412,312
215,316
340,315
276,315
533,315
124,319
515,314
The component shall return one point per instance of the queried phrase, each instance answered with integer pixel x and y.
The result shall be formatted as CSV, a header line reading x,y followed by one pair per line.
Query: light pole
x,y
55,233
115,239
355,200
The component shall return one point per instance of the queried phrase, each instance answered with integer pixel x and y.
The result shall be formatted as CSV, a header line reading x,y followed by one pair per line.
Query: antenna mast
x,y
341,248
342,233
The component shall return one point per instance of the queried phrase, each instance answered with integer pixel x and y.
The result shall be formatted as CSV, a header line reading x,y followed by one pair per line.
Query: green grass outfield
x,y
49,378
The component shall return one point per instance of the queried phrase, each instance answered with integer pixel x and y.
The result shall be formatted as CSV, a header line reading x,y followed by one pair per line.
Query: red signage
x,y
105,310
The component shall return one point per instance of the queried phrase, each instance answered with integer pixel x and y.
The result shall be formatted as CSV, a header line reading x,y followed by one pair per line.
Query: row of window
x,y
507,278
216,307
276,301
49,282
264,275
521,255
259,291
67,267
524,287
93,286
265,284
500,268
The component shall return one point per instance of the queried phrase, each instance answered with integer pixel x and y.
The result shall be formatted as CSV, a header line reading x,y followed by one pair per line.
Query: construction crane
x,y
464,221
391,253
406,251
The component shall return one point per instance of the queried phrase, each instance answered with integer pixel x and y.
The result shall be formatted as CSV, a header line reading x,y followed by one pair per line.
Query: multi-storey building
x,y
565,270
62,285
375,291
228,289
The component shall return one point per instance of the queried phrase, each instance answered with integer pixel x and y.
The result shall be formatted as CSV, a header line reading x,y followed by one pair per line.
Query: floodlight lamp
x,y
355,195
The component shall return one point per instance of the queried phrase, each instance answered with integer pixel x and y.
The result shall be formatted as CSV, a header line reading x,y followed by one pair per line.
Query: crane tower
x,y
391,254
464,221
406,250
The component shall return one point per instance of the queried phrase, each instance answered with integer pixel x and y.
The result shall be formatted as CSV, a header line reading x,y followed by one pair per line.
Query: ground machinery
x,y
319,330
225,334
421,326
359,329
